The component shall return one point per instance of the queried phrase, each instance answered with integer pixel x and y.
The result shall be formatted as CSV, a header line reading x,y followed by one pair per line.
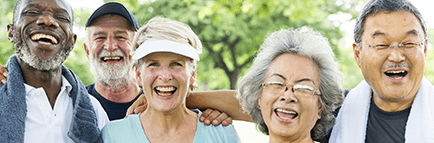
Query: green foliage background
x,y
231,32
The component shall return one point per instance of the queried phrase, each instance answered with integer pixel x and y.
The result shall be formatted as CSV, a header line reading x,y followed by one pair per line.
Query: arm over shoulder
x,y
101,115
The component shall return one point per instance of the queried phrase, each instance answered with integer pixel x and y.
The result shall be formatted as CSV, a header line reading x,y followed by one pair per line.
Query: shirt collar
x,y
65,85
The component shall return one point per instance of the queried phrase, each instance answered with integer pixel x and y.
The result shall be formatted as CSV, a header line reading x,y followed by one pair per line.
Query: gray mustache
x,y
105,53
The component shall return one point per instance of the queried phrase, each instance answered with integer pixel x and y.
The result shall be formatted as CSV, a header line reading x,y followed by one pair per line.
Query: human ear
x,y
10,28
319,110
138,77
356,50
86,49
259,101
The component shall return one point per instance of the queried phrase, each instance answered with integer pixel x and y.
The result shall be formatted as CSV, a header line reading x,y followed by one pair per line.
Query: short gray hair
x,y
376,6
305,42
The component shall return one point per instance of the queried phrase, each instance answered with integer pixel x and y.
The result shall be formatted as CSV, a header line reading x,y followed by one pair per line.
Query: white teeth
x,y
395,72
166,89
111,58
39,36
286,111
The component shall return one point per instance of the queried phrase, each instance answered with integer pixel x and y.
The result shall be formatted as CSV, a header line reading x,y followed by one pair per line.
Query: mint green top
x,y
130,130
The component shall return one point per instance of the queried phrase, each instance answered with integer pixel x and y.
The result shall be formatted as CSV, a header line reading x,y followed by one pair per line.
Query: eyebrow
x,y
56,9
305,79
121,32
31,5
65,11
377,33
279,75
100,33
412,32
297,81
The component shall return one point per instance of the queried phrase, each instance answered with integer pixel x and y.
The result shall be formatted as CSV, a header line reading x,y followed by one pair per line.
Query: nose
x,y
110,44
165,74
396,55
288,96
47,19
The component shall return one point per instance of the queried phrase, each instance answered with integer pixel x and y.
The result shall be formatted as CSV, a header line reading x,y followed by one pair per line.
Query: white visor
x,y
152,46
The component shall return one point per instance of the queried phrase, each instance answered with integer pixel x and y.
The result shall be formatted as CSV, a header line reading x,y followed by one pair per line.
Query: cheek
x,y
266,102
312,107
182,75
125,46
94,50
149,76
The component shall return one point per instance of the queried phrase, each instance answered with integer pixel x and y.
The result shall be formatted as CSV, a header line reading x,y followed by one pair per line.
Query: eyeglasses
x,y
408,45
277,87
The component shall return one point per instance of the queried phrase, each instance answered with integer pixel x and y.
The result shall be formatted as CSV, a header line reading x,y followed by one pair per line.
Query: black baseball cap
x,y
113,8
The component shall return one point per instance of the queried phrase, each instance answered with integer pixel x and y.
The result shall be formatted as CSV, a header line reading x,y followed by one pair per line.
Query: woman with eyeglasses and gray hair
x,y
293,86
166,52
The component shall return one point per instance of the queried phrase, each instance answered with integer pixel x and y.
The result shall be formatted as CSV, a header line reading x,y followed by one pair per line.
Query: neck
x,y
393,105
166,123
125,94
280,139
50,81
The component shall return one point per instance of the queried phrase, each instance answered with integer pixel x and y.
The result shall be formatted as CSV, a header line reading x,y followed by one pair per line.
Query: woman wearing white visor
x,y
166,52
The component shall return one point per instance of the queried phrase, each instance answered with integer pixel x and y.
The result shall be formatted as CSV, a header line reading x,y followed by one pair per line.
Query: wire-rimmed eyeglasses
x,y
407,45
278,87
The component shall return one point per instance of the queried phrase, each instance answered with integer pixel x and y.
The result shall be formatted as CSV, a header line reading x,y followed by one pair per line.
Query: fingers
x,y
140,109
226,121
205,117
215,117
3,74
220,119
129,111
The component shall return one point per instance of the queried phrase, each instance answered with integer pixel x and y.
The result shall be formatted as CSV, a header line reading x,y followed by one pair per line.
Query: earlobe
x,y
259,101
10,28
86,49
425,47
319,111
193,77
356,52
138,78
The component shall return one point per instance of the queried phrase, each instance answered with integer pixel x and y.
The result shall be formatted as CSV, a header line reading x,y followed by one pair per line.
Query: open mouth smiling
x,y
286,114
113,58
165,91
396,74
44,39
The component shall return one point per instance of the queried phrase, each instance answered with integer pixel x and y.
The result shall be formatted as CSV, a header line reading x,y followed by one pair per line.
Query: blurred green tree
x,y
233,30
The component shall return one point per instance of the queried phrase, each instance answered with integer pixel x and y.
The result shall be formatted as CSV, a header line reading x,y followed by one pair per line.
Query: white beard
x,y
116,75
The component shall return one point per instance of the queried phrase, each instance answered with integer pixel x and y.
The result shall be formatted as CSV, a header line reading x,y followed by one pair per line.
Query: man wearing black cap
x,y
109,32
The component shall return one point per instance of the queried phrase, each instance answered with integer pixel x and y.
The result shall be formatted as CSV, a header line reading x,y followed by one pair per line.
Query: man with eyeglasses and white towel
x,y
394,102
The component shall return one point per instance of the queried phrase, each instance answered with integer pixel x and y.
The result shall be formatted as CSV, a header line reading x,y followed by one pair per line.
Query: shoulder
x,y
99,111
218,133
128,128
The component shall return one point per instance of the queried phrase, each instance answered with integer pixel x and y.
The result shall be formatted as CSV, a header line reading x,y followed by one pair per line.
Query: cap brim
x,y
152,46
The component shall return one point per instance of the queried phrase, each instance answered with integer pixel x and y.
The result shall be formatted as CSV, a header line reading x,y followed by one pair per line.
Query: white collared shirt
x,y
51,125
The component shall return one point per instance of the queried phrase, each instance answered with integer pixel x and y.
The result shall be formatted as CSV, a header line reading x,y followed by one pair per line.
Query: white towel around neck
x,y
352,119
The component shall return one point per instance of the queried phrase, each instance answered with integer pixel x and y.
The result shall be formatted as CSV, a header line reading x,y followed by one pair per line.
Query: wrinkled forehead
x,y
397,23
56,5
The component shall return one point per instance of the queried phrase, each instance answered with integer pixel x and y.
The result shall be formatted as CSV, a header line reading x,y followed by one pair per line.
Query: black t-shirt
x,y
114,110
386,127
